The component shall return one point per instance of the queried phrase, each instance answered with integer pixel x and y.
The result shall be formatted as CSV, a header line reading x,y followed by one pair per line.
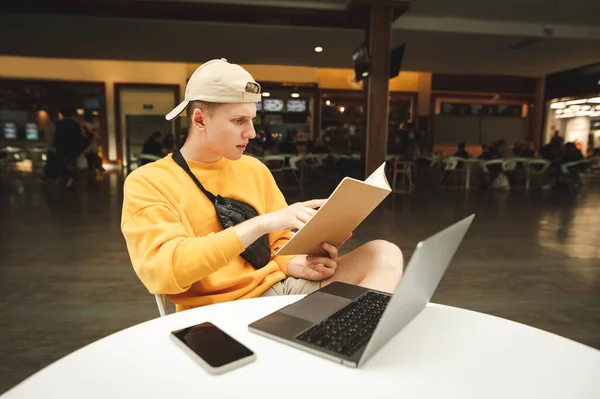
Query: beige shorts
x,y
292,286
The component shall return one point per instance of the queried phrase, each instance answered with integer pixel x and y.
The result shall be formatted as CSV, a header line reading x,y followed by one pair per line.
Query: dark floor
x,y
66,280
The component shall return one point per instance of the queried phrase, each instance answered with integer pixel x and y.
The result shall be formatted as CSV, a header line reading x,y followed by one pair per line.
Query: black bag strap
x,y
179,160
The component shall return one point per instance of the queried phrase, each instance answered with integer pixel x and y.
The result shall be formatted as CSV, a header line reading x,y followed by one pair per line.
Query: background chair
x,y
276,164
594,169
161,302
295,167
452,166
536,167
493,168
570,172
404,170
312,163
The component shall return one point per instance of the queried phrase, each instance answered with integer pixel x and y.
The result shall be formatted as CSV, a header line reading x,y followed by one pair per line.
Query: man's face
x,y
229,128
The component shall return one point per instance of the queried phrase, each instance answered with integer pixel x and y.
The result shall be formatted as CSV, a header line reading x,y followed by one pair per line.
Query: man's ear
x,y
199,119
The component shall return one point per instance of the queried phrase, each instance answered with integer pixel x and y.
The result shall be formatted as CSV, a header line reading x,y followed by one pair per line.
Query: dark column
x,y
377,88
537,114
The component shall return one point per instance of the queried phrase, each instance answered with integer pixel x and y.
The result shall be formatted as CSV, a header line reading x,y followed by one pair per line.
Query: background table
x,y
444,353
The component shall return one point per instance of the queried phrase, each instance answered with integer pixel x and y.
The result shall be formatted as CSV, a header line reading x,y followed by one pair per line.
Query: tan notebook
x,y
349,204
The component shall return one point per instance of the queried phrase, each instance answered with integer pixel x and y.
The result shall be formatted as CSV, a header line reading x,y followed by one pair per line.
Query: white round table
x,y
444,353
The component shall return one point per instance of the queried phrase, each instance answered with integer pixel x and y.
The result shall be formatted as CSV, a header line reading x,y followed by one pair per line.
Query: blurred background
x,y
485,106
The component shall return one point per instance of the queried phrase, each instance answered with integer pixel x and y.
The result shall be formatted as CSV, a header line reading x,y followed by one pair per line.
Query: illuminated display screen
x,y
273,105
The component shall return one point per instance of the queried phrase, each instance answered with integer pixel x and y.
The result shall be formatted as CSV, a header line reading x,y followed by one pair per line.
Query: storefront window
x,y
479,121
343,121
575,120
284,115
289,114
29,109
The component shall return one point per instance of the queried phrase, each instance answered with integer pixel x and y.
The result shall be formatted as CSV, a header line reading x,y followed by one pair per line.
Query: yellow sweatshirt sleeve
x,y
280,239
165,257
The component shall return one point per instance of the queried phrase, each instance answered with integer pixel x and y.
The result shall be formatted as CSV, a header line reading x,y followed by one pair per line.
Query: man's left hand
x,y
316,268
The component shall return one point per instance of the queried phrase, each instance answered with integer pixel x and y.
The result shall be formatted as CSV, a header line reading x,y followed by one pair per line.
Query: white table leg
x,y
468,177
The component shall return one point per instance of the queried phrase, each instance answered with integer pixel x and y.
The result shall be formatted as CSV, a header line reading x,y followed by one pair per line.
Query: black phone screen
x,y
212,344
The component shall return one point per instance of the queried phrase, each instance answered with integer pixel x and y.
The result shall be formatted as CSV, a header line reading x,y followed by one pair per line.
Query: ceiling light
x,y
327,102
571,114
266,94
558,112
365,74
557,105
95,113
575,102
586,107
318,49
295,95
342,109
80,111
595,100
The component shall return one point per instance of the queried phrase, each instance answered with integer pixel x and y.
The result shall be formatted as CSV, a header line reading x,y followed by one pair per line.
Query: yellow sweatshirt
x,y
176,242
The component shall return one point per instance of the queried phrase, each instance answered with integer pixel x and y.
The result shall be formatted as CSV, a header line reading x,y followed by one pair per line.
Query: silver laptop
x,y
349,324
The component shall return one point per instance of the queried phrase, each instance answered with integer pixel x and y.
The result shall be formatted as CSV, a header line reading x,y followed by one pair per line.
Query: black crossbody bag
x,y
231,212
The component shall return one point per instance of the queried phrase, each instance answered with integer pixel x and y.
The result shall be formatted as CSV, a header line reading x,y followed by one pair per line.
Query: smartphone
x,y
215,350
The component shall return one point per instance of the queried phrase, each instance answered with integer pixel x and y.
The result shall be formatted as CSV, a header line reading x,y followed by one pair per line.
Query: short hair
x,y
205,106
67,112
88,116
156,135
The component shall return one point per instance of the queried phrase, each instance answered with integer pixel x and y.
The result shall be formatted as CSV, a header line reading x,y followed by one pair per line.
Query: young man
x,y
175,240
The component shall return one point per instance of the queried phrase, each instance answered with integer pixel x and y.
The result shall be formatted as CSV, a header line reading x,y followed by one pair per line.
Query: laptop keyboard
x,y
349,329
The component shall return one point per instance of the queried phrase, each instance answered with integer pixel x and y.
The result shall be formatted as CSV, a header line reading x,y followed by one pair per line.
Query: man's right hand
x,y
292,217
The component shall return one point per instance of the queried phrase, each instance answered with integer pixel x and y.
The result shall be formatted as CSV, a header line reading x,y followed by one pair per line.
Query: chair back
x,y
538,166
486,164
294,162
312,161
450,163
509,164
575,166
402,166
275,163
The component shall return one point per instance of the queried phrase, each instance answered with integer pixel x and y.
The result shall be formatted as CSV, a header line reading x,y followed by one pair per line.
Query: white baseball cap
x,y
218,81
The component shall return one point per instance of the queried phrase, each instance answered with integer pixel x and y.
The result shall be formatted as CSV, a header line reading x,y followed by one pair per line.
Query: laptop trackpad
x,y
316,307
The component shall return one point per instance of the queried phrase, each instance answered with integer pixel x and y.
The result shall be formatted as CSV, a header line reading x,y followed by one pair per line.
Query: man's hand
x,y
292,217
316,268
